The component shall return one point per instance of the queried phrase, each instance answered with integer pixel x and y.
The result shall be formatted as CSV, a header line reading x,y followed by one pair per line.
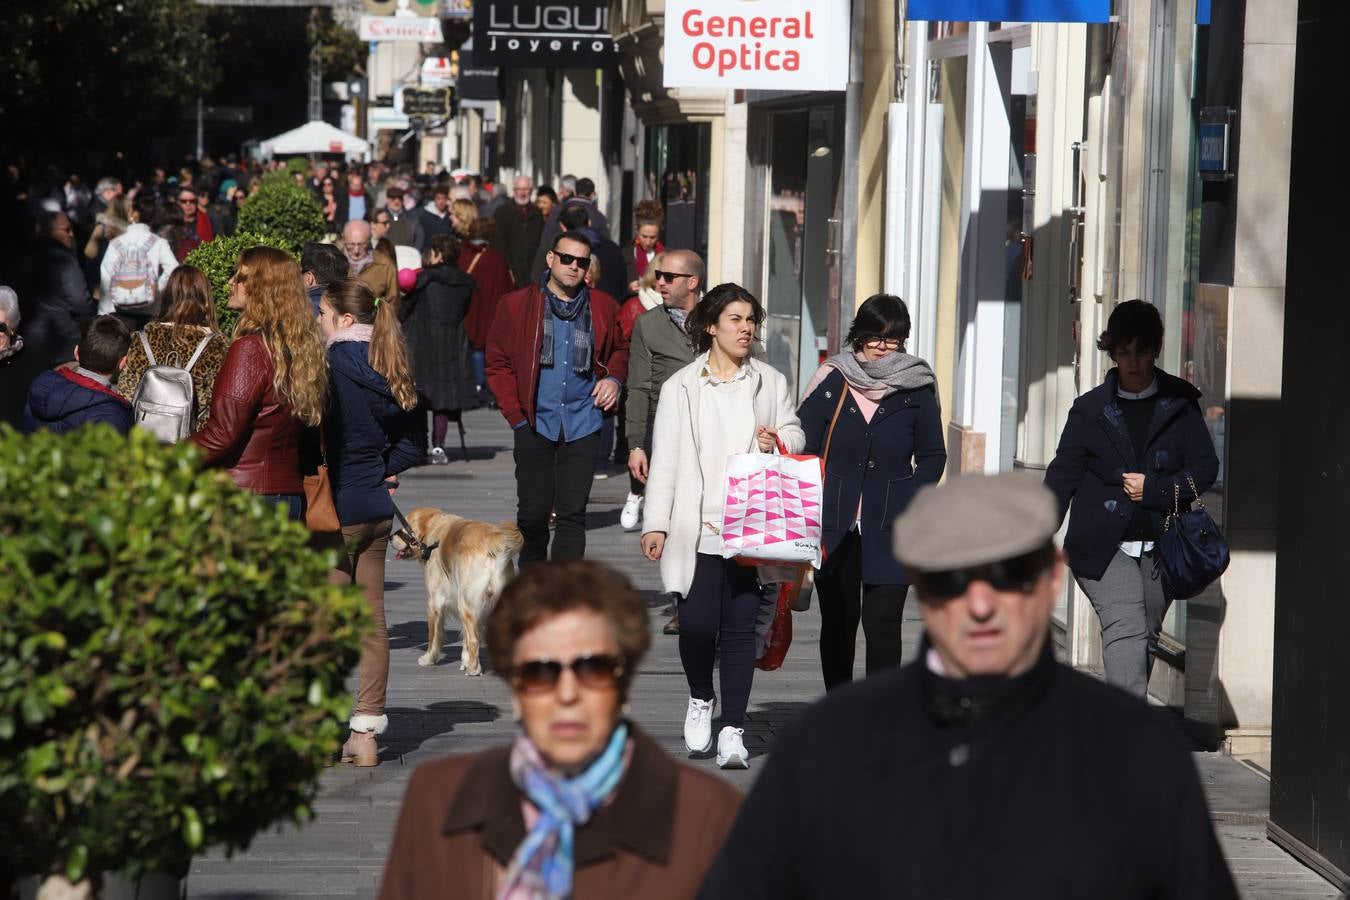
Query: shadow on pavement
x,y
406,635
410,727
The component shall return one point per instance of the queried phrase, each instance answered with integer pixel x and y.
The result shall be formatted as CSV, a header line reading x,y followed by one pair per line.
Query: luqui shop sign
x,y
784,45
533,34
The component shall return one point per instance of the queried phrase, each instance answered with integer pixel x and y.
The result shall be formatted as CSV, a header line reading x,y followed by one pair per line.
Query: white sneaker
x,y
630,518
731,752
438,456
698,725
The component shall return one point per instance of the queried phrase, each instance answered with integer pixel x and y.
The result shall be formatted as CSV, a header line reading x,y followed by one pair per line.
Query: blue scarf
x,y
542,866
578,310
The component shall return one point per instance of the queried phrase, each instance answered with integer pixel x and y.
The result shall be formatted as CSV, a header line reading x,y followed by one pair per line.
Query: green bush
x,y
217,259
286,171
283,210
171,657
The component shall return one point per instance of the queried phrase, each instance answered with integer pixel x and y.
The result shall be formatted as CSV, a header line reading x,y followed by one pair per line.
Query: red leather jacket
x,y
251,431
517,333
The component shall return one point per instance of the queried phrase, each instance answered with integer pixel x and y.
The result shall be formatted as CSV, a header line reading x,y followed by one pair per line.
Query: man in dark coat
x,y
519,227
56,298
583,198
985,768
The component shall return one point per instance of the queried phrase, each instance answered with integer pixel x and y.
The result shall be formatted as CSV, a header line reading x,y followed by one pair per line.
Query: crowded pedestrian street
x,y
439,710
673,449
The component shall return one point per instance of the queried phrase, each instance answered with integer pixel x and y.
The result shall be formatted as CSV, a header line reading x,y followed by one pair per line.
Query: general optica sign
x,y
785,45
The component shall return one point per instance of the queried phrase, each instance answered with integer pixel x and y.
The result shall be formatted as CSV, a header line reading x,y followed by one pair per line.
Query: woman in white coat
x,y
722,403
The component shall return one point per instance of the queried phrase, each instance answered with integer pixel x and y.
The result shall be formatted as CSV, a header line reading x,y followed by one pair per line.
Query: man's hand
x,y
606,393
653,542
1134,486
637,464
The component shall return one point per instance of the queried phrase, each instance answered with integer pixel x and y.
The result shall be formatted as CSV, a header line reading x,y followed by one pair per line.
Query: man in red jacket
x,y
556,361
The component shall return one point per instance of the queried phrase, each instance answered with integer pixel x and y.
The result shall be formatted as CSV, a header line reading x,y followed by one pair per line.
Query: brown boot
x,y
360,749
673,626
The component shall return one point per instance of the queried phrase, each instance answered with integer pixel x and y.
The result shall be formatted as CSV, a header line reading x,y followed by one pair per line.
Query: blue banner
x,y
1008,10
1202,9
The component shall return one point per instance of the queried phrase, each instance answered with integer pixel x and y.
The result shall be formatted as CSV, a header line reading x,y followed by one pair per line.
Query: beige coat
x,y
675,485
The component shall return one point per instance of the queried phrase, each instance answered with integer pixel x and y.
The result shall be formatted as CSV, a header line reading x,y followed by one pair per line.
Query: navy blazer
x,y
369,436
1095,451
881,464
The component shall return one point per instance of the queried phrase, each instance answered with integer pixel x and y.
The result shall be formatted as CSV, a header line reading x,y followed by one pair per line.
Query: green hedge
x,y
171,657
217,259
283,210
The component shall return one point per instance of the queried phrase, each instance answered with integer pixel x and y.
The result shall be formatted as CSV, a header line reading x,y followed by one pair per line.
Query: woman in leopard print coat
x,y
189,315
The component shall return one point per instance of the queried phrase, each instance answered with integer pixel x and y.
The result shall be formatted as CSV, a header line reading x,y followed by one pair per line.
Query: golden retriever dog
x,y
466,564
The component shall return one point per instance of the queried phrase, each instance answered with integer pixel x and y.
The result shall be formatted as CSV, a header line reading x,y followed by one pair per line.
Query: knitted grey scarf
x,y
578,311
879,377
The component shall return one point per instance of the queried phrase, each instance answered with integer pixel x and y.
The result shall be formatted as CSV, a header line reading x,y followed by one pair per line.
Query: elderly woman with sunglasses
x,y
582,803
872,413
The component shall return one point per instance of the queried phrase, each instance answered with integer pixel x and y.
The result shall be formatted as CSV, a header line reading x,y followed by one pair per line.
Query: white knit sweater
x,y
687,449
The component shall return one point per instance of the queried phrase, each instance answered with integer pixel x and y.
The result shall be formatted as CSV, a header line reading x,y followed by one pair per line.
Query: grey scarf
x,y
876,378
577,311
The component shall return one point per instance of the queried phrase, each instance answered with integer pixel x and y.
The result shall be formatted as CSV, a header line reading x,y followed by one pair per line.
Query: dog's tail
x,y
509,540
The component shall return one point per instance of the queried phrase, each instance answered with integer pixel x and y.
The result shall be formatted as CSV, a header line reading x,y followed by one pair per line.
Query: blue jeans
x,y
479,369
294,504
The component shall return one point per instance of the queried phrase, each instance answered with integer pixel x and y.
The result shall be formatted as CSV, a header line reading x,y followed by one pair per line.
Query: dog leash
x,y
410,536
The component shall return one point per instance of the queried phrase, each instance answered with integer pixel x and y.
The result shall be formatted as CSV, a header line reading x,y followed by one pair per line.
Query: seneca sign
x,y
785,45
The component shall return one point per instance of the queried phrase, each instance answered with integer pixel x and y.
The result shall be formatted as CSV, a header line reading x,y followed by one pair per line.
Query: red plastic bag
x,y
779,636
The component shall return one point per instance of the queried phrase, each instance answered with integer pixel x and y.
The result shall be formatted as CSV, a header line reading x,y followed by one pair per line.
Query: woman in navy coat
x,y
1131,448
872,412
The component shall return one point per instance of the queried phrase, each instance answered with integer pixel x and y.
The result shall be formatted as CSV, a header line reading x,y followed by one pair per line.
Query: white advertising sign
x,y
417,29
782,45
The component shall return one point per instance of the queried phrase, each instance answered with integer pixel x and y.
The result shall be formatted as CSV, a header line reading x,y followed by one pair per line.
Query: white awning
x,y
315,137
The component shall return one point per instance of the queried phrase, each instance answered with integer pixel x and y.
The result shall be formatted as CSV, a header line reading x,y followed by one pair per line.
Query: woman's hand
x,y
392,483
766,438
653,542
1134,486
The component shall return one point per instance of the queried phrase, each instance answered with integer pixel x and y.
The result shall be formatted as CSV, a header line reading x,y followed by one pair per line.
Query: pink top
x,y
865,406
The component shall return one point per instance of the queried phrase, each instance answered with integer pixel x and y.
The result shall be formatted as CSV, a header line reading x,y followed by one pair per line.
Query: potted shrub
x,y
284,210
171,659
217,259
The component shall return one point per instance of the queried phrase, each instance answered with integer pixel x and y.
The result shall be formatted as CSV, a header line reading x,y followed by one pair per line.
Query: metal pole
x,y
200,141
848,276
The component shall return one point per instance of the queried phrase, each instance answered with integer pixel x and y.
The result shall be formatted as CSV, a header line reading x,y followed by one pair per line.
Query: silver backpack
x,y
165,399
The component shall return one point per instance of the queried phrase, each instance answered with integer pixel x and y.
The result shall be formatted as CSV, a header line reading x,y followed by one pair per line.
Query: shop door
x,y
802,299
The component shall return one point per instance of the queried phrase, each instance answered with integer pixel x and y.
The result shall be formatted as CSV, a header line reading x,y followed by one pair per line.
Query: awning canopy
x,y
315,137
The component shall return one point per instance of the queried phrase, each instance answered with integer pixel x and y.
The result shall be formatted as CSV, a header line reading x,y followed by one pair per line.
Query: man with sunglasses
x,y
556,361
985,768
659,348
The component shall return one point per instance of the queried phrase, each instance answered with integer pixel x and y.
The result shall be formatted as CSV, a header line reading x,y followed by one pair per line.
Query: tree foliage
x,y
105,72
285,211
172,656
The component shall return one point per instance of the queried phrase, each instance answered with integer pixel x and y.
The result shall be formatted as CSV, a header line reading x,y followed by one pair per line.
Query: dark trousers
x,y
553,476
840,586
719,616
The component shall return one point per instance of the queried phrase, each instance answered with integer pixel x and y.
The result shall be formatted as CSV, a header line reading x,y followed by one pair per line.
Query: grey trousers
x,y
1129,602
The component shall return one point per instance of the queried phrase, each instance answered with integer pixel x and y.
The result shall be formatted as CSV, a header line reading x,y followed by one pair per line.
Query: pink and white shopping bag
x,y
772,507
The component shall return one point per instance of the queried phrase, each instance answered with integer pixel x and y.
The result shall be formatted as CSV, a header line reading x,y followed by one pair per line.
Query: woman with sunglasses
x,y
272,382
582,803
724,402
872,413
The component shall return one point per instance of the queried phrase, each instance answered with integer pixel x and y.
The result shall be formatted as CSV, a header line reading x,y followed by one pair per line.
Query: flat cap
x,y
971,520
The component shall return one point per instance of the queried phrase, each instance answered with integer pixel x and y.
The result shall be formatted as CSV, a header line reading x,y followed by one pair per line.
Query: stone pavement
x,y
439,710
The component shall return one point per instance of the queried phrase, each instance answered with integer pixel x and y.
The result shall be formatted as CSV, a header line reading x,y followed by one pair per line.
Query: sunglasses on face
x,y
598,672
880,343
568,259
671,276
1020,573
6,330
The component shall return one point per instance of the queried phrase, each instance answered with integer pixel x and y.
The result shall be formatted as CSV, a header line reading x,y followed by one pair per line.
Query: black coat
x,y
1095,450
881,463
433,324
908,785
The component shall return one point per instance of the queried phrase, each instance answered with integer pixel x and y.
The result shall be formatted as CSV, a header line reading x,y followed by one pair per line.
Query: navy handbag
x,y
1192,552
